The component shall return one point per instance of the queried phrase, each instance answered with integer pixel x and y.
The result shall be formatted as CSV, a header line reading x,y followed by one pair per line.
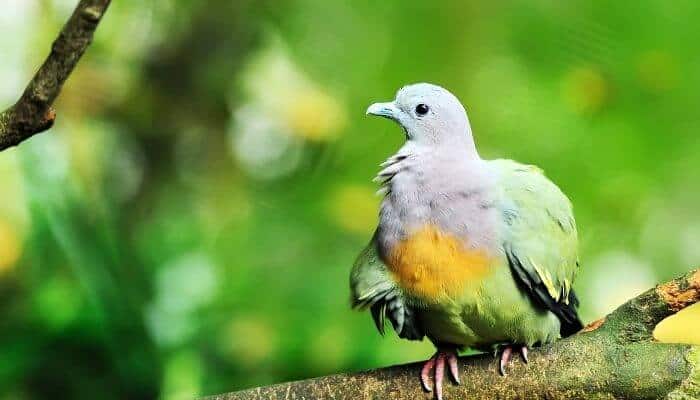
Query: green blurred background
x,y
188,225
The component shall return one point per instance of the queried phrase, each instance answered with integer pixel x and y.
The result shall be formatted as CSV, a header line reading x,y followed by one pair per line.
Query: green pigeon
x,y
470,253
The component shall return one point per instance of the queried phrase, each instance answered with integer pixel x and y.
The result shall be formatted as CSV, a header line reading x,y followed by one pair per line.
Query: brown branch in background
x,y
33,114
615,357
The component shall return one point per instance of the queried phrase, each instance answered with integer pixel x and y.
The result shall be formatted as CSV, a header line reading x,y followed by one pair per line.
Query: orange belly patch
x,y
430,264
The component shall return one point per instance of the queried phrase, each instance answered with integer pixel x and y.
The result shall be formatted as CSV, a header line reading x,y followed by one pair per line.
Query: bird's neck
x,y
421,163
443,143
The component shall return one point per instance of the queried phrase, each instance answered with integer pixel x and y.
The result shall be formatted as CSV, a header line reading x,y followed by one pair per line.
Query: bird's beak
x,y
386,110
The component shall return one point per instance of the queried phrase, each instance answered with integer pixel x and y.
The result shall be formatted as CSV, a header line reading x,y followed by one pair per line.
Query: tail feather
x,y
572,324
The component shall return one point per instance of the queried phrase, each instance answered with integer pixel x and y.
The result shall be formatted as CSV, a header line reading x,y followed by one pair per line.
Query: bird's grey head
x,y
428,114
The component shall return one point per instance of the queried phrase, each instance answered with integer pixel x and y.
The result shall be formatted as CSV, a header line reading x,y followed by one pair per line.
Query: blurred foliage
x,y
188,225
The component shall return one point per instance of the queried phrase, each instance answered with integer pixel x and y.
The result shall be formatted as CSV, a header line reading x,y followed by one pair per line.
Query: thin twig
x,y
33,113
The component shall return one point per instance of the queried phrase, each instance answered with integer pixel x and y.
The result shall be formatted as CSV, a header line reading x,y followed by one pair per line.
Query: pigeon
x,y
468,252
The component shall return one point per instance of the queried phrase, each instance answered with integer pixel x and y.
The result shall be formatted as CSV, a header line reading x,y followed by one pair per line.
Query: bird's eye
x,y
422,109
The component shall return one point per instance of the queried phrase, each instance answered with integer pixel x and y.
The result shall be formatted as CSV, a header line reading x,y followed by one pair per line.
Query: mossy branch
x,y
32,113
615,357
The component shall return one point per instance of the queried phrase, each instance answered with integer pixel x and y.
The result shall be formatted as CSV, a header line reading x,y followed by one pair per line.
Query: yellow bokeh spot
x,y
86,152
328,349
222,204
249,340
657,71
13,207
10,246
585,90
287,95
316,116
354,208
683,327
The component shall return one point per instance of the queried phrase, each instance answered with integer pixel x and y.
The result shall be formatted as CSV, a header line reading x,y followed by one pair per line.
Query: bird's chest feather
x,y
432,265
438,228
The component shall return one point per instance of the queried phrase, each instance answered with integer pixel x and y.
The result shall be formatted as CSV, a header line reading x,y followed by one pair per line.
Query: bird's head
x,y
428,114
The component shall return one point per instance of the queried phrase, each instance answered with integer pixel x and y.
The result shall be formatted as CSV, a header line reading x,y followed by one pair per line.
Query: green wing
x,y
541,240
372,287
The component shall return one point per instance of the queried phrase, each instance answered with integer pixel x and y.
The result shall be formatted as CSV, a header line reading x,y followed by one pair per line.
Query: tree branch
x,y
613,358
32,113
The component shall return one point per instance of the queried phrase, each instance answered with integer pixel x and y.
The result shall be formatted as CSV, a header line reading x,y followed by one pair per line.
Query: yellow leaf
x,y
682,327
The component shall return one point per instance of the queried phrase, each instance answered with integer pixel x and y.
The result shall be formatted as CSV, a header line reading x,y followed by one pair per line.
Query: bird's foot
x,y
507,352
437,362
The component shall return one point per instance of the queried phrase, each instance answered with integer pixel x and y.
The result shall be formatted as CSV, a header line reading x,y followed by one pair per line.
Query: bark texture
x,y
615,357
32,113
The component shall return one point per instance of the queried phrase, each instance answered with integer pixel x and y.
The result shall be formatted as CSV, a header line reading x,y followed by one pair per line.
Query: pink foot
x,y
506,354
437,362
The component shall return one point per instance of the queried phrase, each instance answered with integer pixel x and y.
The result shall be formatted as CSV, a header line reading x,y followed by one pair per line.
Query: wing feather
x,y
541,241
372,287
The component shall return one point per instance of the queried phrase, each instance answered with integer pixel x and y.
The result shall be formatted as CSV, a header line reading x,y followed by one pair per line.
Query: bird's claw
x,y
424,374
437,362
506,354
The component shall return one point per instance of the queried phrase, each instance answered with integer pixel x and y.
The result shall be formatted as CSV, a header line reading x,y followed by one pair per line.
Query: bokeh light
x,y
188,225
